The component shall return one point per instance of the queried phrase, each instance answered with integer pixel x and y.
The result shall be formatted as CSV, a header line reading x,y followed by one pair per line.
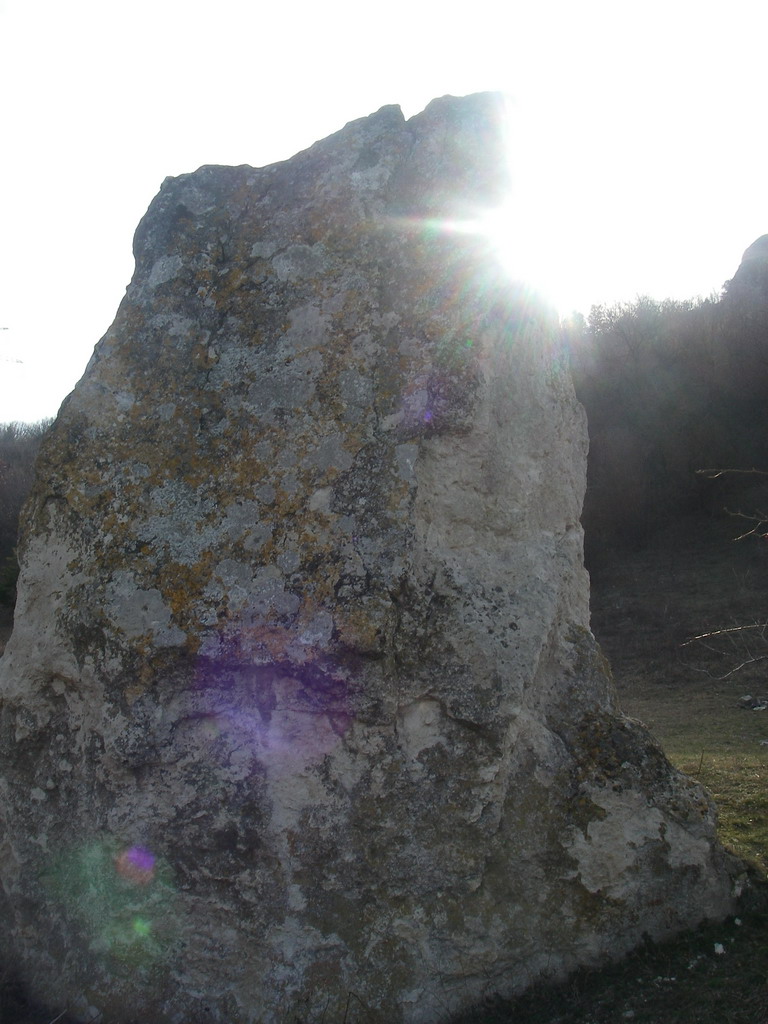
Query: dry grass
x,y
646,608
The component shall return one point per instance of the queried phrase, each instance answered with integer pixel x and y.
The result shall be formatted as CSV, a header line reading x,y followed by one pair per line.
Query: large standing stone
x,y
302,718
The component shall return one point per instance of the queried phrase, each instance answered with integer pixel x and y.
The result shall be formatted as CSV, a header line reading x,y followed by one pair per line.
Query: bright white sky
x,y
639,134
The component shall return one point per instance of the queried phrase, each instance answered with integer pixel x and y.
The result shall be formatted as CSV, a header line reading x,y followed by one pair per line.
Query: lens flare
x,y
142,927
137,865
279,708
122,897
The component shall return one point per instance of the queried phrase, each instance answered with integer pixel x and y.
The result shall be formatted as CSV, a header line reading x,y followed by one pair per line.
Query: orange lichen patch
x,y
226,285
323,588
263,642
182,587
362,628
146,673
273,640
138,685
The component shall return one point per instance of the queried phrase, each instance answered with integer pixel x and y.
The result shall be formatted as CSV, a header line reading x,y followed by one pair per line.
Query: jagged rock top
x,y
285,345
748,287
757,251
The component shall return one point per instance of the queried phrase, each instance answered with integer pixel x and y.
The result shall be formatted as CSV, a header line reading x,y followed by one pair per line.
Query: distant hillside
x,y
672,388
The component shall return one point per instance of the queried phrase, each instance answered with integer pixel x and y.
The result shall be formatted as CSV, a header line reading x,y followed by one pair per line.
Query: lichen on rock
x,y
301,715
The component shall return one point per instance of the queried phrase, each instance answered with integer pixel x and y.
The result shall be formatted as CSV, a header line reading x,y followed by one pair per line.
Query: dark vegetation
x,y
680,607
672,389
19,443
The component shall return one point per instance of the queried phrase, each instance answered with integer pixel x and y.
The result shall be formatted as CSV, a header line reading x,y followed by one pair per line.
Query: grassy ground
x,y
696,581
692,579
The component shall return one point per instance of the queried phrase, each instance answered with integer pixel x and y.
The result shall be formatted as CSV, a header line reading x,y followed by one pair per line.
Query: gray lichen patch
x,y
140,613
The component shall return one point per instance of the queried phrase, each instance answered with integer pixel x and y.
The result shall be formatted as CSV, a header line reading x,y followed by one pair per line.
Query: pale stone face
x,y
302,700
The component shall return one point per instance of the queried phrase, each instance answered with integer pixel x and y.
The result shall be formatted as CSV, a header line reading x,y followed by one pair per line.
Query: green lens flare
x,y
142,927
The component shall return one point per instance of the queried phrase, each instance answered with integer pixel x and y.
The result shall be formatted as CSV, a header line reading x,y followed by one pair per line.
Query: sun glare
x,y
536,233
521,248
541,233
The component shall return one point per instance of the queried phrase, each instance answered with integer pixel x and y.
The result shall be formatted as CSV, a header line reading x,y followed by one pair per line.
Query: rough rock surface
x,y
751,277
301,717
